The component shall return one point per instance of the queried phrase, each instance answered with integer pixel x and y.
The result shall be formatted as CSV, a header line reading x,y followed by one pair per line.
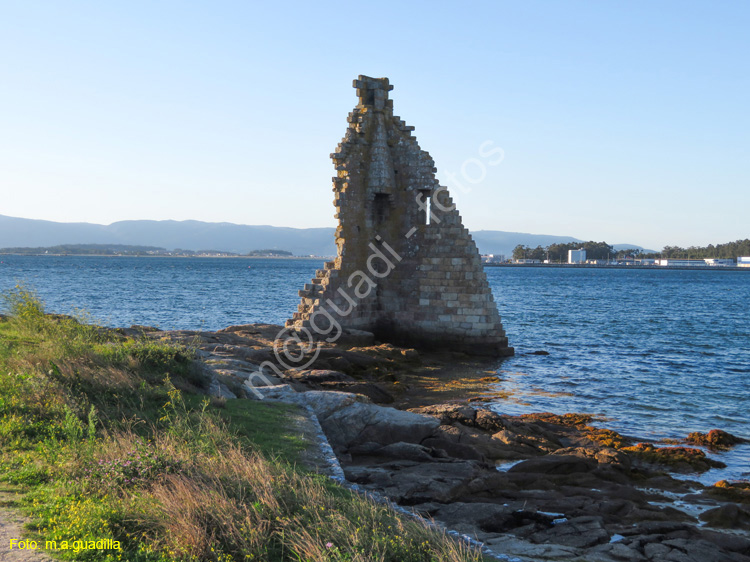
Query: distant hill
x,y
226,237
188,235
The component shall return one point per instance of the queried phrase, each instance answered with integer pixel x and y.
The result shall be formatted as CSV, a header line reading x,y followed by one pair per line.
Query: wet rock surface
x,y
536,487
715,439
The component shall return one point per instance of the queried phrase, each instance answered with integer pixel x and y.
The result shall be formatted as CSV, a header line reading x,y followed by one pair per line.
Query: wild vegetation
x,y
109,438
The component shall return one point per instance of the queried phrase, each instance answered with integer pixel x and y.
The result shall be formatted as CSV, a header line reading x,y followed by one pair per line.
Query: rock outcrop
x,y
532,487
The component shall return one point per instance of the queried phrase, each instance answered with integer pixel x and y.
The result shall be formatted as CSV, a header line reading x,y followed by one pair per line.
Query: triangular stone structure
x,y
406,270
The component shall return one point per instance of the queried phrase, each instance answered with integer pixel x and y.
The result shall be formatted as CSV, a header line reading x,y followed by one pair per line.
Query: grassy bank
x,y
110,438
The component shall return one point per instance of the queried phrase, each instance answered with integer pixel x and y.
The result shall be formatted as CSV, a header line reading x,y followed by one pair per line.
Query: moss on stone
x,y
677,458
715,439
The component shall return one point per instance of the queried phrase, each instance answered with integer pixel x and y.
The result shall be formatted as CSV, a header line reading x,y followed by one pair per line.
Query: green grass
x,y
264,426
110,438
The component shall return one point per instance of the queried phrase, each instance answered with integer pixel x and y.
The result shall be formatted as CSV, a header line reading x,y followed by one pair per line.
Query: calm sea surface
x,y
659,353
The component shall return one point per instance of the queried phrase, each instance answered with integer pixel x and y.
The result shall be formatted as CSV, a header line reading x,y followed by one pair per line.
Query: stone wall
x,y
406,270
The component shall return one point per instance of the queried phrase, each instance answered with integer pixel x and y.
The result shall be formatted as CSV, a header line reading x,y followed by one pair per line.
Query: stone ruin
x,y
406,268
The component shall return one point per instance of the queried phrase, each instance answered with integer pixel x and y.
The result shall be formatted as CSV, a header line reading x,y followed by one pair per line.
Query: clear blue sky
x,y
620,121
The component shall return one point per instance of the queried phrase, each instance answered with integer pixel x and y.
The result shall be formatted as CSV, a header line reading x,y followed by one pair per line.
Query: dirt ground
x,y
11,527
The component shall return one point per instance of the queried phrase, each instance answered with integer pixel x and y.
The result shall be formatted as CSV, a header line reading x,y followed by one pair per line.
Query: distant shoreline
x,y
166,256
317,258
605,266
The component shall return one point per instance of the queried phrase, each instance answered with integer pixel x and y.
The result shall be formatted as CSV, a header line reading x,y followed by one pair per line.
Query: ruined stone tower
x,y
406,270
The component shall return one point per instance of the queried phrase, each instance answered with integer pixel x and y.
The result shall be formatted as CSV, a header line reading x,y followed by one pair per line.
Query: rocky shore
x,y
415,428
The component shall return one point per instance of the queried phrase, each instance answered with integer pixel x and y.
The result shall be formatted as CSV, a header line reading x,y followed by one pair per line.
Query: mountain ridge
x,y
197,235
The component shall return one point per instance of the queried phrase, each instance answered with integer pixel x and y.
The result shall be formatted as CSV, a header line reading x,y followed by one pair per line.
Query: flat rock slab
x,y
359,423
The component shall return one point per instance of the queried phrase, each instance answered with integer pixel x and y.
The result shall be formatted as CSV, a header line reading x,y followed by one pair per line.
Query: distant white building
x,y
681,262
719,262
577,256
743,261
527,261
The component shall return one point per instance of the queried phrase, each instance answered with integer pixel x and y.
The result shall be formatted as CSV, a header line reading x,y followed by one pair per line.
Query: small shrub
x,y
93,420
218,402
72,426
23,304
